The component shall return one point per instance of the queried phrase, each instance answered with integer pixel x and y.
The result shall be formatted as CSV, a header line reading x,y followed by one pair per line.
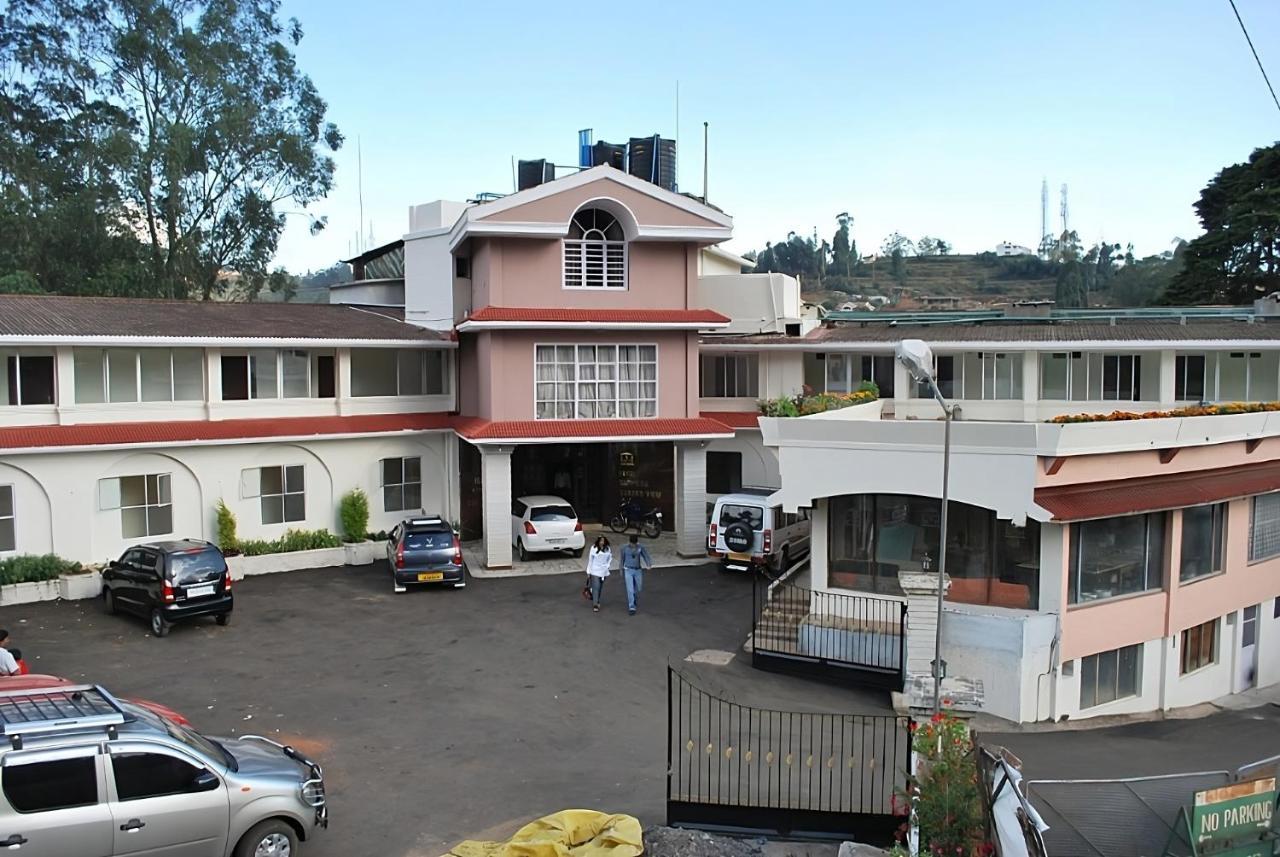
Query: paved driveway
x,y
439,714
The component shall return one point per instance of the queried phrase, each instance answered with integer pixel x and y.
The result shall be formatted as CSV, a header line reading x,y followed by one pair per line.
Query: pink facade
x,y
1111,624
558,207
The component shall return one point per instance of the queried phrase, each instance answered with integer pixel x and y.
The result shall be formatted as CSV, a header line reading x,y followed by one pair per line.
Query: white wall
x,y
428,264
1268,643
759,463
57,493
1007,650
1152,671
368,293
756,303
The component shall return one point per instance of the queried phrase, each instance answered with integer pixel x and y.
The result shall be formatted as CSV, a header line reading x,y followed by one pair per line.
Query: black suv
x,y
169,581
424,549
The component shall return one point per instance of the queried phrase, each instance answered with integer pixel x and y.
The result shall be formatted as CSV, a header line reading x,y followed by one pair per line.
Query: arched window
x,y
595,252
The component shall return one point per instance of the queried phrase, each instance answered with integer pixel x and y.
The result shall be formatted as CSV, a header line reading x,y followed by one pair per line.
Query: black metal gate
x,y
852,639
733,767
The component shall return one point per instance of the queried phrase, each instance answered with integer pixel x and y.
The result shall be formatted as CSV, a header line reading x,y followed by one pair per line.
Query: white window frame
x,y
12,517
751,376
988,384
284,494
1137,678
402,484
105,365
1088,358
575,257
617,380
1186,357
1272,545
250,354
445,378
18,354
111,498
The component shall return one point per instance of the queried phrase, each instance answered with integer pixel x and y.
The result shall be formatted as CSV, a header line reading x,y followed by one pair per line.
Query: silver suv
x,y
84,774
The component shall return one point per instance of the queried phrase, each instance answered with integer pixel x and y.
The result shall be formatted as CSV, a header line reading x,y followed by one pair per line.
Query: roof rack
x,y
58,709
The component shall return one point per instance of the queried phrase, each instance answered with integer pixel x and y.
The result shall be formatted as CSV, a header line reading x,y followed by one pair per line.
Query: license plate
x,y
199,591
557,541
740,557
431,575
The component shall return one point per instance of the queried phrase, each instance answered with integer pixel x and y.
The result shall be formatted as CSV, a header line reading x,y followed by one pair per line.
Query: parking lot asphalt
x,y
440,714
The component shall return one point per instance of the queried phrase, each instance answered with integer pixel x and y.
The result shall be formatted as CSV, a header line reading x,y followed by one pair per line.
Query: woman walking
x,y
598,562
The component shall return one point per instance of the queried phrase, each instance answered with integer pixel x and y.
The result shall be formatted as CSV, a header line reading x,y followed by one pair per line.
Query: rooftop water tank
x,y
533,173
654,160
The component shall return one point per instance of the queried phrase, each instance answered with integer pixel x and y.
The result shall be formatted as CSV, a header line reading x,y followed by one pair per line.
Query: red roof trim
x,y
734,419
1156,493
477,429
604,316
194,431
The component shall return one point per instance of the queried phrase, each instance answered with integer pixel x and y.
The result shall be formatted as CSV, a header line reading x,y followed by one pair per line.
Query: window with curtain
x,y
1116,556
1264,527
595,381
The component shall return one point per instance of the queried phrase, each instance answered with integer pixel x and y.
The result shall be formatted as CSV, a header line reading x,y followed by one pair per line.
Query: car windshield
x,y
196,565
427,541
752,516
552,513
206,747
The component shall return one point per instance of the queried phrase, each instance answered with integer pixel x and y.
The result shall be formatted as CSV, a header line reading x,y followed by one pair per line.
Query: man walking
x,y
635,559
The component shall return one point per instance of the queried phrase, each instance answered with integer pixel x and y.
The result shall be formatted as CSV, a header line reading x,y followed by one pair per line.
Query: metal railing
x,y
855,637
737,767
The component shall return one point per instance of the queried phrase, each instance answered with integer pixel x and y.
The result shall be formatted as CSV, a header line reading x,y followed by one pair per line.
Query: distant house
x,y
1005,248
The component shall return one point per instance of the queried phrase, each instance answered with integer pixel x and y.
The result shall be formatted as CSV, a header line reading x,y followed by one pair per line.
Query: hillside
x,y
975,279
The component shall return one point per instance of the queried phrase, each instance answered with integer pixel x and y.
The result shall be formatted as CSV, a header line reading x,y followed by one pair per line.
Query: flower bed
x,y
29,568
1192,411
290,542
809,402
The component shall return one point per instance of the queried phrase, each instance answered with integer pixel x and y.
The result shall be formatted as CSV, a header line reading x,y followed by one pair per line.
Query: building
x,y
1096,567
1008,248
542,342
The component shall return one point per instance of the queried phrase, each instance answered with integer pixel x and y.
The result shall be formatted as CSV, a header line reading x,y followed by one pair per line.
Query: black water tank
x,y
613,154
654,160
533,173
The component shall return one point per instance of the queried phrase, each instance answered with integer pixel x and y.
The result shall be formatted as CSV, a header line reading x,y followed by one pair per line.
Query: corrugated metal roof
x,y
1155,493
1012,332
63,316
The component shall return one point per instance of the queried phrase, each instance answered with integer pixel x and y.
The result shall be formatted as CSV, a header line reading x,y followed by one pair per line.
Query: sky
x,y
925,118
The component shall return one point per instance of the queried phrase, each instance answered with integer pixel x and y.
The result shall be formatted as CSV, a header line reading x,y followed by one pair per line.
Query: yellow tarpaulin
x,y
570,833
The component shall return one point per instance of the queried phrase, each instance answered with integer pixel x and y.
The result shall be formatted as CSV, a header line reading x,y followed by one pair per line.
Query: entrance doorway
x,y
596,477
1247,664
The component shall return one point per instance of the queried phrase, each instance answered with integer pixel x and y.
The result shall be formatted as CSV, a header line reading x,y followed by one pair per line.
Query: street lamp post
x,y
917,357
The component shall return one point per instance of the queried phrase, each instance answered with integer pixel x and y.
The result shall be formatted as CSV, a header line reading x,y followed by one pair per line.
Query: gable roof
x,y
53,319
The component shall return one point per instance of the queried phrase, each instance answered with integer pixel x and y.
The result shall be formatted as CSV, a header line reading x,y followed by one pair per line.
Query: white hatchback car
x,y
542,523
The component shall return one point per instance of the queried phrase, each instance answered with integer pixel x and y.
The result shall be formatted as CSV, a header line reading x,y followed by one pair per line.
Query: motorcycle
x,y
631,514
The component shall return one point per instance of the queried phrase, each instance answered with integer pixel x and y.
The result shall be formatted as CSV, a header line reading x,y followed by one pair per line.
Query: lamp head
x,y
917,356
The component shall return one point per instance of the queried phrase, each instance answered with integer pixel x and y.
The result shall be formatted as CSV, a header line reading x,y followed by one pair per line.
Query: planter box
x,y
363,553
247,566
28,593
73,587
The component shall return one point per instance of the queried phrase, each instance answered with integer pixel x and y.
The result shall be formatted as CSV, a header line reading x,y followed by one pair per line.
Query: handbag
x,y
586,589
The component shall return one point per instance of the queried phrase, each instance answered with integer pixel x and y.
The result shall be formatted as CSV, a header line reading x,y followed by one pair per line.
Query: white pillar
x,y
213,382
64,382
1030,385
691,499
342,379
495,470
921,588
1168,377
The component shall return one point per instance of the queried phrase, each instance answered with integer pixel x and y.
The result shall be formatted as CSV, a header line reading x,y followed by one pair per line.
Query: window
x,y
1264,527
595,252
1108,676
846,371
8,526
44,785
1199,646
1188,381
730,375
282,491
1078,376
144,775
401,484
1116,556
873,537
462,267
138,375
295,373
250,376
145,503
399,372
1202,535
982,375
27,378
595,381
724,472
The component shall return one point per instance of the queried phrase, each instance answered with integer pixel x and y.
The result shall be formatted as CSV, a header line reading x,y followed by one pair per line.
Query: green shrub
x,y
292,540
226,525
28,568
353,510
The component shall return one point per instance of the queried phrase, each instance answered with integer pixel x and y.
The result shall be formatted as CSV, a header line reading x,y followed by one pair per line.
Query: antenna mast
x,y
1064,209
360,192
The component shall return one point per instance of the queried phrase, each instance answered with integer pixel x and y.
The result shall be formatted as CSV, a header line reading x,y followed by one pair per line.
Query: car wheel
x,y
108,601
223,619
159,625
524,554
270,838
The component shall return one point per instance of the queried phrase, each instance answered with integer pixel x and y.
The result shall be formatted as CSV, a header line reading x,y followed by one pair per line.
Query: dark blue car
x,y
425,549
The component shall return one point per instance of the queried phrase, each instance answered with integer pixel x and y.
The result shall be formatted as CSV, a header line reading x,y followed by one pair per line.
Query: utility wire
x,y
1256,59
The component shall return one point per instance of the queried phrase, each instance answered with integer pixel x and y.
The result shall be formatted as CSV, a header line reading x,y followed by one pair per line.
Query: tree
x,y
928,246
842,252
212,126
1238,256
900,243
898,266
1071,289
1143,282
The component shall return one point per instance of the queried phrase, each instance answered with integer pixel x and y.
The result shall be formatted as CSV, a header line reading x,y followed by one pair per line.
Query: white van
x,y
747,533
